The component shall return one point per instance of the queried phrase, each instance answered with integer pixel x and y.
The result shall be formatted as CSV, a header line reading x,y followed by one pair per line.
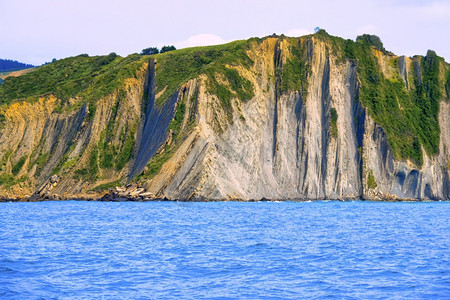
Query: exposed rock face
x,y
154,127
283,148
62,144
400,179
277,145
403,68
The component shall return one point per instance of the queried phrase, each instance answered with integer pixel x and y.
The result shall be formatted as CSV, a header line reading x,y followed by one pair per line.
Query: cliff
x,y
314,117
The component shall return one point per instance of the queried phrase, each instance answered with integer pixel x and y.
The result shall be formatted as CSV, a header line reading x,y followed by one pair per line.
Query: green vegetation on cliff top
x,y
409,117
175,68
82,76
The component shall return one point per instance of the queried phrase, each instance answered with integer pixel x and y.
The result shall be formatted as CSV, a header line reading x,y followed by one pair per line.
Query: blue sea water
x,y
224,250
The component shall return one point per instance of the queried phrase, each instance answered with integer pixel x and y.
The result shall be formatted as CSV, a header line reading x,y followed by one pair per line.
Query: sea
x,y
225,250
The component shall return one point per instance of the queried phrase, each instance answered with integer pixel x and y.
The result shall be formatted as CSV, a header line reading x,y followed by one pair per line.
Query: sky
x,y
36,31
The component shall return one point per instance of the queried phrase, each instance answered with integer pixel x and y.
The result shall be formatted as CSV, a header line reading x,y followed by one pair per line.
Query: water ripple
x,y
284,250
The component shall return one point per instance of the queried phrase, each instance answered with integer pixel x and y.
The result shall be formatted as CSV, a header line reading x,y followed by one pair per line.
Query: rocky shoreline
x,y
136,193
112,196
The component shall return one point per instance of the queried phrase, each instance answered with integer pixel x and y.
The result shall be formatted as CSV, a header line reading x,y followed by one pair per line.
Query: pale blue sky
x,y
35,31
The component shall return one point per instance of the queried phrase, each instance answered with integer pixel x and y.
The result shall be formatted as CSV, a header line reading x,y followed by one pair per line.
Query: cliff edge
x,y
313,117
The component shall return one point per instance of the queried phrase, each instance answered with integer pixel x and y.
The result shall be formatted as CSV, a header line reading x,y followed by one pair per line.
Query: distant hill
x,y
4,75
7,65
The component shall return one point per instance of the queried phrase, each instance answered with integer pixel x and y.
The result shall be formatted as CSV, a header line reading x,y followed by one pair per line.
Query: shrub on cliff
x,y
167,49
371,40
150,51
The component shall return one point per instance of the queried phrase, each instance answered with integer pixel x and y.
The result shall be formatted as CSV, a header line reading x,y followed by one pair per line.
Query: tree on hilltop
x,y
150,51
168,48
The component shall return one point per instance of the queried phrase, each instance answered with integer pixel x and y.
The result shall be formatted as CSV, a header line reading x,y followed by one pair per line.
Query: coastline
x,y
111,198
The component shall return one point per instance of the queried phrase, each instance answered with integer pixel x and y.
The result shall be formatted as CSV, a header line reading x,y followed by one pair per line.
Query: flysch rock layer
x,y
274,146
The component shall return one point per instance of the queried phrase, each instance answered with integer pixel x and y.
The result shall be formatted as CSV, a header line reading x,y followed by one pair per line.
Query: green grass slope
x,y
174,68
82,76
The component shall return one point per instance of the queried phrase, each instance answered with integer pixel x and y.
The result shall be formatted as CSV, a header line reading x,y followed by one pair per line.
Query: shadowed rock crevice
x,y
156,123
325,120
358,120
278,67
446,185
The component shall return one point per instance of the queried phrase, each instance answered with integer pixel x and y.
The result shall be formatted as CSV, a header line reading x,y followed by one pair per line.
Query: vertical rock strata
x,y
314,143
283,148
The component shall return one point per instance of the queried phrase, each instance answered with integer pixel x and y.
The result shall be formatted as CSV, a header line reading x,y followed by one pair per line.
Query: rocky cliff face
x,y
304,131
